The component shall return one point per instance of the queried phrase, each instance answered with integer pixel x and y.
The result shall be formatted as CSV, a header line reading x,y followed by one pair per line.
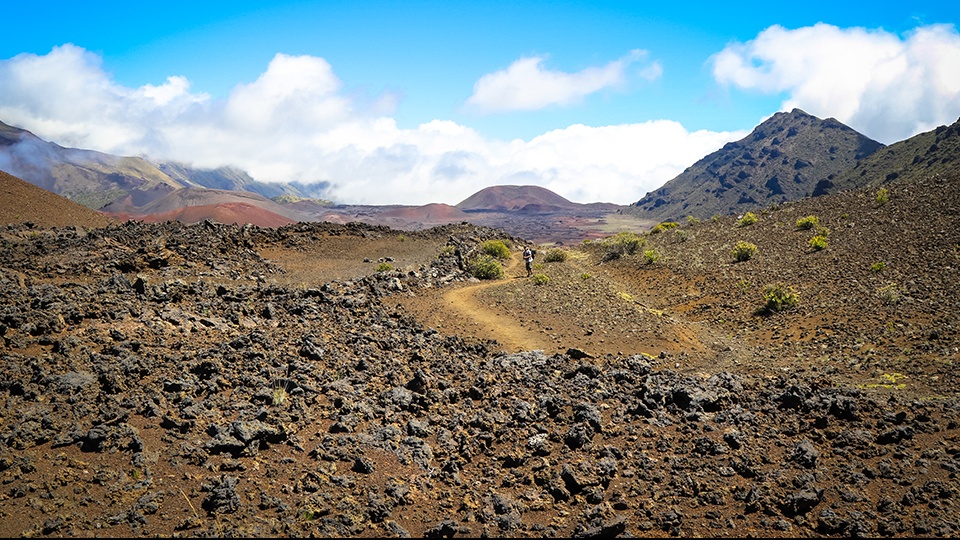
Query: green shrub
x,y
747,219
651,256
487,267
585,276
540,279
743,251
883,196
384,267
818,242
622,243
660,227
877,266
555,255
808,223
692,220
448,250
495,248
780,297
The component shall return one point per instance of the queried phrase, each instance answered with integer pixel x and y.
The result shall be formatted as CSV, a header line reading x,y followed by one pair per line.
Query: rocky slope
x,y
785,158
201,380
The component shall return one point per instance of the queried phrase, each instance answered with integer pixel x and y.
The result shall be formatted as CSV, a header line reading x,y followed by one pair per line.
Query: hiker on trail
x,y
528,258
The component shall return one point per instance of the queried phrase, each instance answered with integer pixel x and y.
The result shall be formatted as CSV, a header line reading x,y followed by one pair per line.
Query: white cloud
x,y
295,122
527,85
887,87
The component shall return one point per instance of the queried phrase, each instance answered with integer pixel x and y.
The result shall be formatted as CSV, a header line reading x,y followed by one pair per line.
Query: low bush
x,y
384,267
877,266
622,243
540,279
808,223
486,267
555,255
883,196
818,242
660,227
747,219
651,256
889,295
743,251
780,297
495,248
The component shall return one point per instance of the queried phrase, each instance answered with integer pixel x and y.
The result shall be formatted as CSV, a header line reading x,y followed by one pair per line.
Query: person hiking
x,y
528,258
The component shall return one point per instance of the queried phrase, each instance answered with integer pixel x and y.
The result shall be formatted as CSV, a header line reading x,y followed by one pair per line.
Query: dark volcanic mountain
x,y
785,158
921,156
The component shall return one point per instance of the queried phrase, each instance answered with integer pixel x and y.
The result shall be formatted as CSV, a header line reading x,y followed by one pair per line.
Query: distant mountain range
x,y
791,155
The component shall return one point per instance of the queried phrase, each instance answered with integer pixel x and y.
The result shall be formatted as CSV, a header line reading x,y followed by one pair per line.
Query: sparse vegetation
x,y
384,267
877,266
555,255
666,225
279,394
585,276
622,243
540,279
807,223
651,256
743,251
692,220
780,297
495,248
890,294
447,250
818,242
487,267
747,219
882,196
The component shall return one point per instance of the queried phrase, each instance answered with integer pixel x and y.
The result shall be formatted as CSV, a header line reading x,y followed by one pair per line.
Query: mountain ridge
x,y
784,158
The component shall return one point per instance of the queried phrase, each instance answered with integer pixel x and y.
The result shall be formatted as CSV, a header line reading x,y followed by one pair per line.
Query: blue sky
x,y
416,102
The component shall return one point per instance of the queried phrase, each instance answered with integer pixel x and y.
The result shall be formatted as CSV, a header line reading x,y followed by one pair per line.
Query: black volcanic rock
x,y
784,159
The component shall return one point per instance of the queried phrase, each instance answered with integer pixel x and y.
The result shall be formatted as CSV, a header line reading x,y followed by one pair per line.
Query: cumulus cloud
x,y
296,122
885,86
527,85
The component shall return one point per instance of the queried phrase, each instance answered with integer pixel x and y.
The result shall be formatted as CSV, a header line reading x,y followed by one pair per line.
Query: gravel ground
x,y
208,380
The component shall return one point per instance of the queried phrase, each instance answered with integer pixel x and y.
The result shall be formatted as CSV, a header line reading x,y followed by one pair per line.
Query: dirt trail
x,y
500,325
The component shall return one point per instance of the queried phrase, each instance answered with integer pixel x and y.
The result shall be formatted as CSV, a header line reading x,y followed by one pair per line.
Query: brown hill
x,y
533,199
785,158
227,213
191,205
22,202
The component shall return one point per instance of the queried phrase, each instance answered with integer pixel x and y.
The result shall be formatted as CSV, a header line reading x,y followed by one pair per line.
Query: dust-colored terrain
x,y
353,380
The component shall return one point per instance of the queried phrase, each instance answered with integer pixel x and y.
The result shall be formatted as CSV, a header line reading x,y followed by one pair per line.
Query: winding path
x,y
500,325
